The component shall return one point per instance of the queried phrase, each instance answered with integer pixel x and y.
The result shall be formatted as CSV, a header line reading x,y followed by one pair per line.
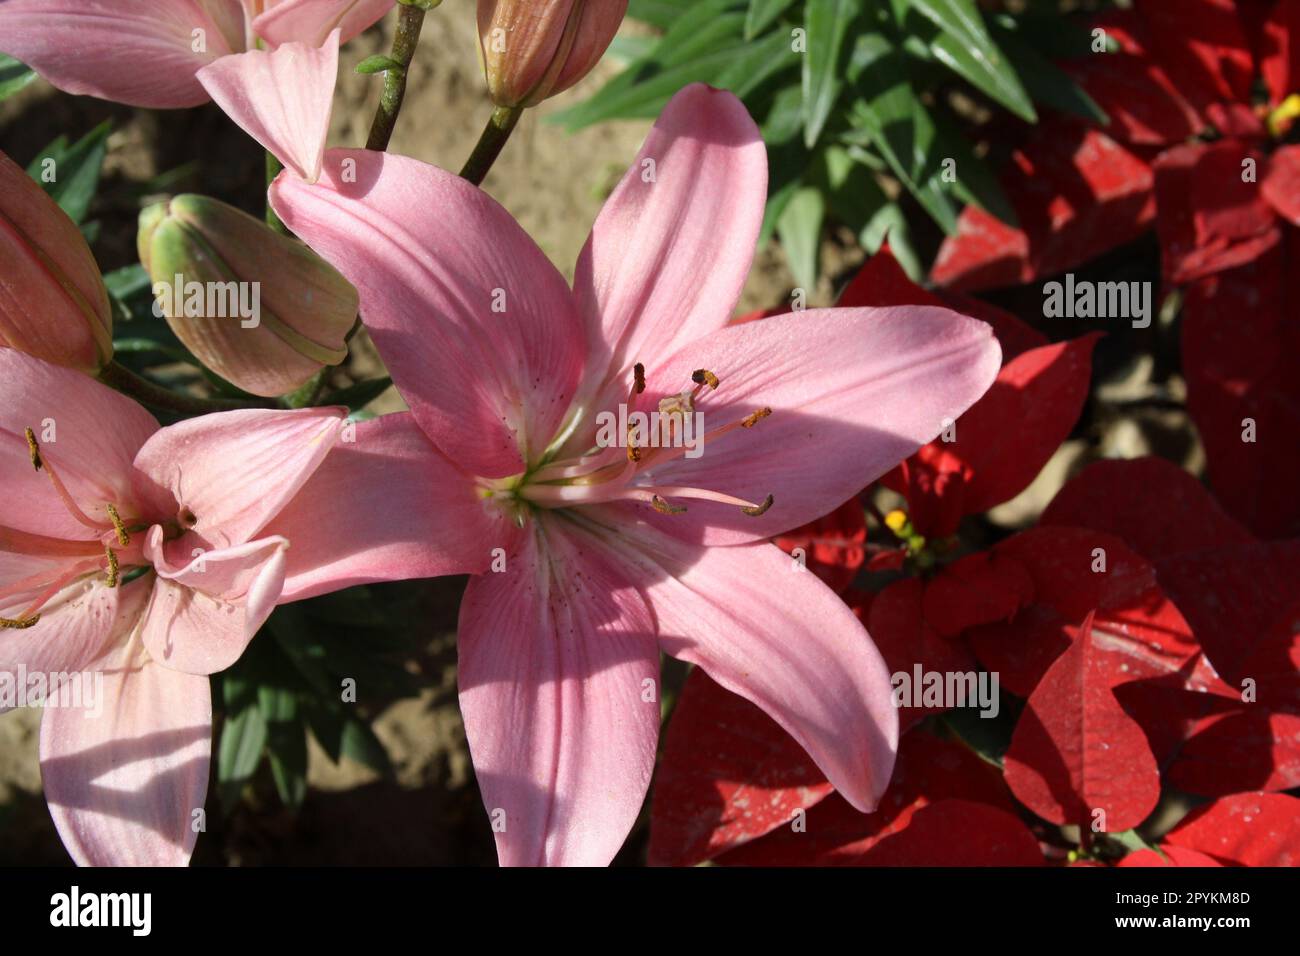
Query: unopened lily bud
x,y
258,308
533,49
53,303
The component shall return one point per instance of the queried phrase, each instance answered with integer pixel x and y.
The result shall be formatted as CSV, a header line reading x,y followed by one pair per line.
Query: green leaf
x,y
75,170
1047,83
378,63
359,743
127,281
850,186
243,739
976,182
890,224
965,46
800,227
286,742
658,13
13,76
703,45
827,23
890,117
761,15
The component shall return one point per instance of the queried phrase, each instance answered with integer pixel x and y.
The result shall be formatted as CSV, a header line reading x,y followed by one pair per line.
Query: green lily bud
x,y
258,308
53,303
533,49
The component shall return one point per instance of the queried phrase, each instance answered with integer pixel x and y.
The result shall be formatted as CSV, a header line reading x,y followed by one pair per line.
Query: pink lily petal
x,y
671,249
138,52
311,21
816,672
204,611
852,393
282,98
476,326
233,471
124,785
557,659
75,624
88,431
410,514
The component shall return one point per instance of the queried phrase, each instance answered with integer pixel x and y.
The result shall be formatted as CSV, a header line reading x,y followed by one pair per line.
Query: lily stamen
x,y
111,555
41,463
123,537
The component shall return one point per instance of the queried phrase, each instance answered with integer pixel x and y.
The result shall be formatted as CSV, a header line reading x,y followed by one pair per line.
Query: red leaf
x,y
1209,220
958,833
834,546
978,589
882,282
1279,50
1239,356
729,773
1281,185
1248,829
1173,856
1250,749
1077,193
1202,47
929,769
1132,615
1154,506
897,624
1074,751
1144,106
1042,391
1239,602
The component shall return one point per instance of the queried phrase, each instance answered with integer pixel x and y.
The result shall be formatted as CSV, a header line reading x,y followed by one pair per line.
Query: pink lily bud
x,y
533,49
258,308
53,303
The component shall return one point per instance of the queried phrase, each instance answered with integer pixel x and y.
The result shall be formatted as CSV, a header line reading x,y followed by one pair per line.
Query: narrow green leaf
x,y
965,46
14,76
762,14
243,738
975,181
658,13
359,743
1046,82
70,174
827,23
800,227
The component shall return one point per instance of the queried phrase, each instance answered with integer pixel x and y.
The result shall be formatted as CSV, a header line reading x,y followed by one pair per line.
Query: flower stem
x,y
410,19
156,396
499,127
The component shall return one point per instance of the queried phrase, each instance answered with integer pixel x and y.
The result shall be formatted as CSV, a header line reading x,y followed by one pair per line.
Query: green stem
x,y
156,396
409,21
499,127
273,167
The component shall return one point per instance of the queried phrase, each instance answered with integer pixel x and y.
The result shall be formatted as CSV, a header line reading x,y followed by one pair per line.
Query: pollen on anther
x,y
20,624
111,555
633,453
751,420
33,449
638,373
123,538
702,376
757,510
664,508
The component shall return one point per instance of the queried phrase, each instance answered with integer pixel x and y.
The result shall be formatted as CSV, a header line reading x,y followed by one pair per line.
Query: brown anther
x,y
757,510
702,376
33,449
638,372
112,566
751,420
664,508
123,538
633,453
21,624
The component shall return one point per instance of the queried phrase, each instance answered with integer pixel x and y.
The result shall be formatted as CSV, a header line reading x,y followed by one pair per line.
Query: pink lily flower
x,y
270,64
151,556
506,370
